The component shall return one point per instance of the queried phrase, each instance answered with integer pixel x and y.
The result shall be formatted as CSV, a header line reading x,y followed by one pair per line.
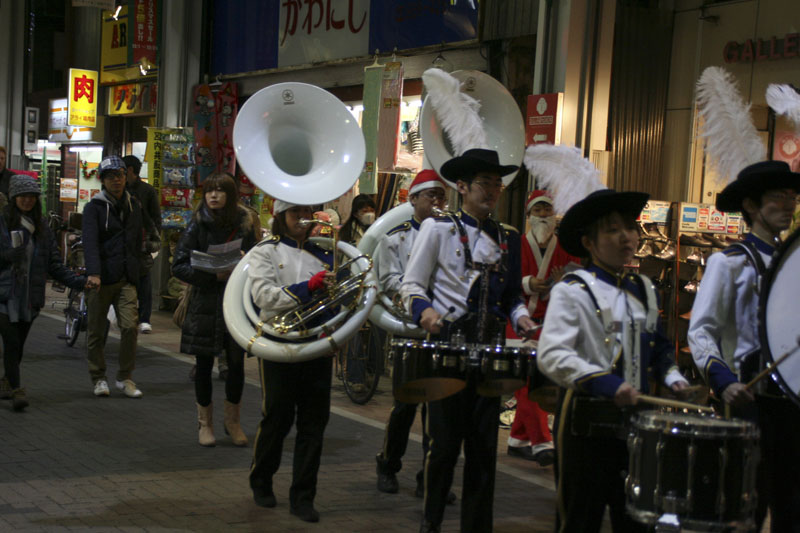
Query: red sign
x,y
761,49
543,119
144,41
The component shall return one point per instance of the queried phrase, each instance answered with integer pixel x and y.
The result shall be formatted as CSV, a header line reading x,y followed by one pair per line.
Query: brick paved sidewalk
x,y
76,462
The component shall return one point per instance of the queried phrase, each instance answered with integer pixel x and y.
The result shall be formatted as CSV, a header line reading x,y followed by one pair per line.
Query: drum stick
x,y
770,368
666,402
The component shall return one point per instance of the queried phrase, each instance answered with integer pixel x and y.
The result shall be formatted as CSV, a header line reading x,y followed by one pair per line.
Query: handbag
x,y
183,305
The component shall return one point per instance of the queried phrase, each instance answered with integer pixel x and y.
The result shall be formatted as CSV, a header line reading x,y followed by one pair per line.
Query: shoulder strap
x,y
650,301
587,281
753,256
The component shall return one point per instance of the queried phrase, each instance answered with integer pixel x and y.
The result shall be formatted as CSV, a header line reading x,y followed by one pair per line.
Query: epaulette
x,y
509,227
732,251
405,226
274,239
443,218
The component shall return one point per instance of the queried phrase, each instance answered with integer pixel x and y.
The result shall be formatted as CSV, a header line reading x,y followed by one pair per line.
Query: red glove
x,y
317,281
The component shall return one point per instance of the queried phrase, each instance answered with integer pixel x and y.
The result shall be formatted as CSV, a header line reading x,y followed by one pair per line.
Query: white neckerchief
x,y
542,263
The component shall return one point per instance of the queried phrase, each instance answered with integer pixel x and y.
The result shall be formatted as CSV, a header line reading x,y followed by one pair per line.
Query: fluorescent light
x,y
85,148
115,16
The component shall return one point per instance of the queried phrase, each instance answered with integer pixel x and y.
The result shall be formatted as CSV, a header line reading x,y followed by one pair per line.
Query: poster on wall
x,y
68,190
787,148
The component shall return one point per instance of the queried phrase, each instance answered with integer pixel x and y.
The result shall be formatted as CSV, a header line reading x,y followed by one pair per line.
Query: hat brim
x,y
580,216
461,167
755,184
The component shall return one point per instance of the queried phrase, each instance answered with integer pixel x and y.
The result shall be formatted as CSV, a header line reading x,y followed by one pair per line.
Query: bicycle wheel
x,y
72,318
363,364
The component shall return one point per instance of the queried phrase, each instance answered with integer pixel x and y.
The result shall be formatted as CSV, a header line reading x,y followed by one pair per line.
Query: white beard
x,y
542,228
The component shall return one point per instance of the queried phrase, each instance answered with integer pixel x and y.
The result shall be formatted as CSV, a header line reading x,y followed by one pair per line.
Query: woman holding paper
x,y
218,225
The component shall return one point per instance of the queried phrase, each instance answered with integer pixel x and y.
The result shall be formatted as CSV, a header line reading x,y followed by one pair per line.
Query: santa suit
x,y
530,421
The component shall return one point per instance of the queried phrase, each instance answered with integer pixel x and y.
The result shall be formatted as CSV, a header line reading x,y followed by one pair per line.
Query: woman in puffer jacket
x,y
219,219
28,253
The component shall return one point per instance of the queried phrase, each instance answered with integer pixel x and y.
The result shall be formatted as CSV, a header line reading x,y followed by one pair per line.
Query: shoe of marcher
x,y
129,388
545,457
264,497
306,513
523,452
428,527
19,399
387,480
5,389
145,327
101,388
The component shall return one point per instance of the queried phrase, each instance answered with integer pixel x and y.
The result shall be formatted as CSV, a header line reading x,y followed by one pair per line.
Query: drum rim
x,y
766,284
735,427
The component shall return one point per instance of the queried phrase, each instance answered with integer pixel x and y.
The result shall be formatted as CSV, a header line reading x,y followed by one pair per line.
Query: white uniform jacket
x,y
576,349
280,269
392,255
724,324
437,276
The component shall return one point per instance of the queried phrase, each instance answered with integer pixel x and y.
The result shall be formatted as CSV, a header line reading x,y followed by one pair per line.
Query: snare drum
x,y
700,469
540,389
426,371
504,369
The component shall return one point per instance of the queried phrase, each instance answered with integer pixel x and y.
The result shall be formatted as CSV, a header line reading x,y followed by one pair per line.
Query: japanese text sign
x,y
82,102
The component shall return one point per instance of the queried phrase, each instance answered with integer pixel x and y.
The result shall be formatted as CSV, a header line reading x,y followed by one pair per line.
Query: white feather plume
x,y
784,100
732,141
457,112
564,172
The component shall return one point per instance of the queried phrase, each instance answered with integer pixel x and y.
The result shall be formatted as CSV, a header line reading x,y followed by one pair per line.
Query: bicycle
x,y
75,316
360,363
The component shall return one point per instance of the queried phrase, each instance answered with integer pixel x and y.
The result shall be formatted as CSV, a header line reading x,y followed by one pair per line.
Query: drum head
x,y
778,310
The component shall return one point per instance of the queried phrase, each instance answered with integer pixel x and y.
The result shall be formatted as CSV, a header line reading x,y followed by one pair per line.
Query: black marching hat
x,y
472,161
755,180
579,217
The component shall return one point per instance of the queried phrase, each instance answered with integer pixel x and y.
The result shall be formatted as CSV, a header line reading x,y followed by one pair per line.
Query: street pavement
x,y
72,461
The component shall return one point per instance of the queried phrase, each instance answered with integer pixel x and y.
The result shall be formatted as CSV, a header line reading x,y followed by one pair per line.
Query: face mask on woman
x,y
366,219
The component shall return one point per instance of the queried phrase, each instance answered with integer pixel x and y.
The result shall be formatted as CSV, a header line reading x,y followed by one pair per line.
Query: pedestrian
x,y
5,174
462,283
28,253
286,270
113,241
151,211
218,220
601,372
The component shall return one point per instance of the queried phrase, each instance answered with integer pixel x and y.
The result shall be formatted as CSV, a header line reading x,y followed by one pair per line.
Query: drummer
x,y
543,264
723,333
425,192
600,341
456,263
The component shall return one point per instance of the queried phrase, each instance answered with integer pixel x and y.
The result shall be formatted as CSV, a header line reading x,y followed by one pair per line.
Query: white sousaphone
x,y
505,133
299,144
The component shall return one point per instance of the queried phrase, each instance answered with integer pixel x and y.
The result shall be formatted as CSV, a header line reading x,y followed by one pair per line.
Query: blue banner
x,y
405,24
245,35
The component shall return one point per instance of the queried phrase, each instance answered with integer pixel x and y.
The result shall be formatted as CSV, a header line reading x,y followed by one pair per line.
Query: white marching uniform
x,y
393,252
723,329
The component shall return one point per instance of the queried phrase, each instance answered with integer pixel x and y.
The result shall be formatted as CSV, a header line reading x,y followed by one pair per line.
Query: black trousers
x,y
590,474
14,335
287,389
472,419
234,383
778,478
395,441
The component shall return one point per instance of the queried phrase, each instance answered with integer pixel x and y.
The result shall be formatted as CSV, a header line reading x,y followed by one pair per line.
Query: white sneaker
x,y
129,388
145,327
101,388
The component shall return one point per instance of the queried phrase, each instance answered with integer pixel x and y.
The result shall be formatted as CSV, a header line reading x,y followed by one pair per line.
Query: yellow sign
x,y
132,98
82,102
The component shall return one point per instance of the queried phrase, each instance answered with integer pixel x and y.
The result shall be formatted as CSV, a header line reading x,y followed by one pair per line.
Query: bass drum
x,y
778,310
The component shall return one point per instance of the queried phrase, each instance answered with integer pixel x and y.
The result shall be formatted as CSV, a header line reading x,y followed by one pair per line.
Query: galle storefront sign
x,y
762,49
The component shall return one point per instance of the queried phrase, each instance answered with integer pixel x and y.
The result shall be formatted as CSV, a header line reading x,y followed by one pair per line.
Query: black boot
x,y
264,497
427,527
387,480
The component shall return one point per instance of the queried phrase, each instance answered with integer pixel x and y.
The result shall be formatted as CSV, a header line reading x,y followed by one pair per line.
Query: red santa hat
x,y
537,196
426,179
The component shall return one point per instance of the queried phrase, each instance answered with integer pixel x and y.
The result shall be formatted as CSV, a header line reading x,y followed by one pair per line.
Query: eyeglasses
x,y
118,175
486,184
433,195
783,197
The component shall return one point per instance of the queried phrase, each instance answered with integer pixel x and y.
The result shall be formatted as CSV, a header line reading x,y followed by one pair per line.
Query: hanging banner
x,y
373,77
214,113
82,102
144,26
389,121
130,41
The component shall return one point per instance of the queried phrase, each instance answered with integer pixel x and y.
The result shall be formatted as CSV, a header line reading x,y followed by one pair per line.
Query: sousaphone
x,y
300,144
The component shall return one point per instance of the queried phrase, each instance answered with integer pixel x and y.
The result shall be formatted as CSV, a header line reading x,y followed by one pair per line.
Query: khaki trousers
x,y
122,296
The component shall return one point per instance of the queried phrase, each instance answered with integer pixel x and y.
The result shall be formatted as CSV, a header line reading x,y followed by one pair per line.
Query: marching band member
x,y
426,192
723,333
463,277
286,270
543,262
600,341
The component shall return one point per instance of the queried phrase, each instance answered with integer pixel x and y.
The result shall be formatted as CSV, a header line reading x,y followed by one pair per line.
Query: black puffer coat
x,y
46,260
204,327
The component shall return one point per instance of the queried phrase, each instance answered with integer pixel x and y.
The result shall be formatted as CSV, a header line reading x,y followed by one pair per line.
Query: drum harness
x,y
595,417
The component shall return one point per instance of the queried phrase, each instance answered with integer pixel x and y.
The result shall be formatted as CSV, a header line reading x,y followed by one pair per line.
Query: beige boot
x,y
205,434
232,426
